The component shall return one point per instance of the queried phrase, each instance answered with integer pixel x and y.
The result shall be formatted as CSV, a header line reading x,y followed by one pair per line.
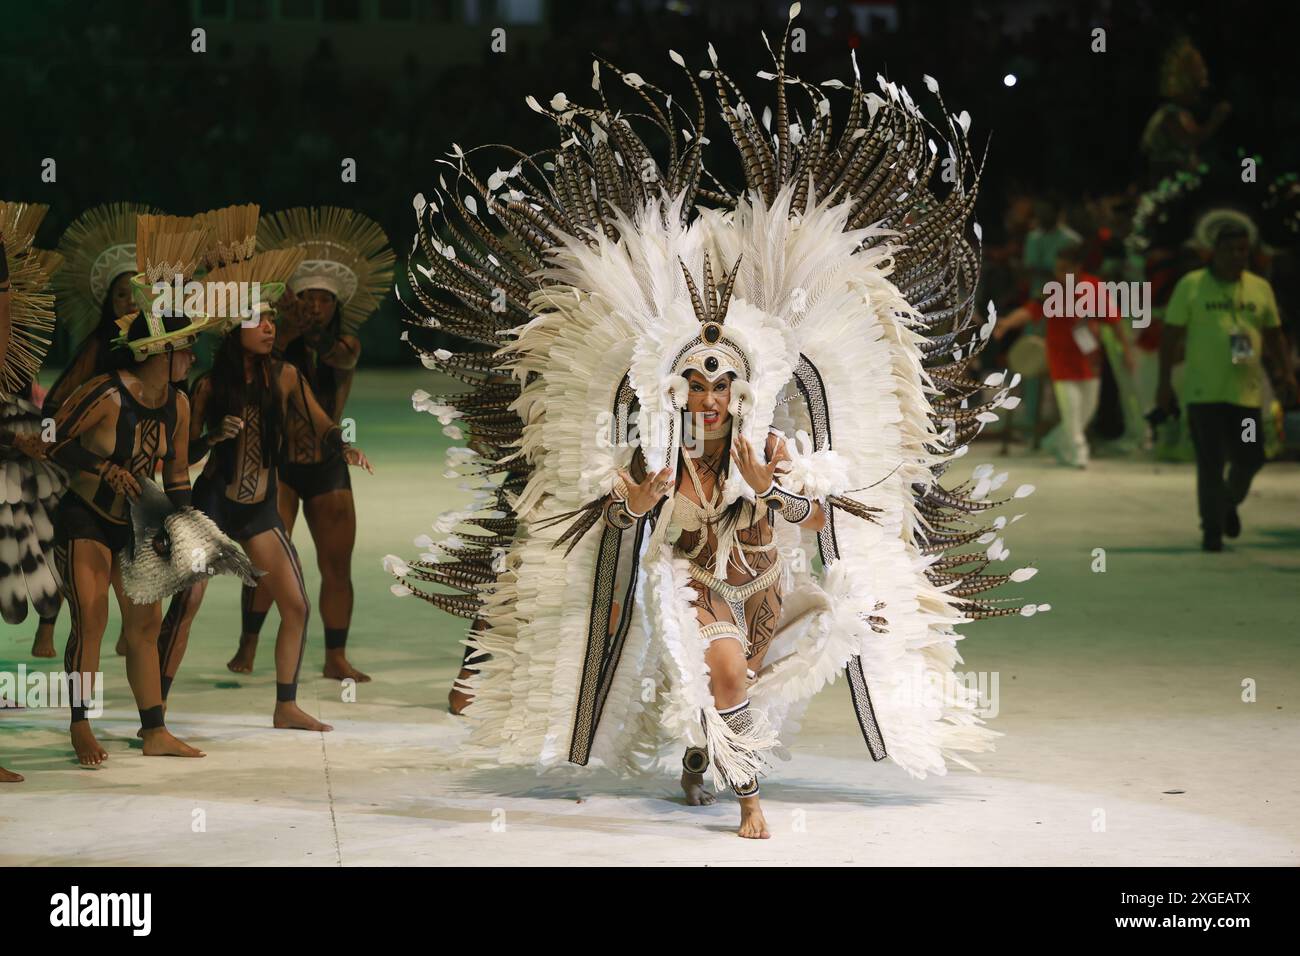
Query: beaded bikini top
x,y
691,516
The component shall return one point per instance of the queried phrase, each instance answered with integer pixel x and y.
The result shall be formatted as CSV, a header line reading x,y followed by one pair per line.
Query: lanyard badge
x,y
1241,347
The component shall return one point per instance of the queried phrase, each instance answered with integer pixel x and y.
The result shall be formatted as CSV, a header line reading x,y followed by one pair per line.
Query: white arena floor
x,y
1127,740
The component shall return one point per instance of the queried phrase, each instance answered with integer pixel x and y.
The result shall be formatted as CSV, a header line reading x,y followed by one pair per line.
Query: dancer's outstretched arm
x,y
328,432
176,470
761,476
201,440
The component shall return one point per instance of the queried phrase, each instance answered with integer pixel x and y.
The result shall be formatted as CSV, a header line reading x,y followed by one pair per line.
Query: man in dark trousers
x,y
1228,318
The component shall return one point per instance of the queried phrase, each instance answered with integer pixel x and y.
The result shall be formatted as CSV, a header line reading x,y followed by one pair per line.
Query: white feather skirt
x,y
29,492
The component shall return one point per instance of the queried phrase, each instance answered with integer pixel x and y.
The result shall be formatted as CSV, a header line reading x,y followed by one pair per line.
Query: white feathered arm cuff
x,y
814,474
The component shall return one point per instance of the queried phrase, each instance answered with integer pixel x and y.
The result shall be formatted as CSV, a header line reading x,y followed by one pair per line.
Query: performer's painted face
x,y
181,360
289,307
317,305
120,293
709,399
259,338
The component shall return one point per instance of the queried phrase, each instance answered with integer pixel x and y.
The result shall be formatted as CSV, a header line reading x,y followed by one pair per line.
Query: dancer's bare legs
x,y
457,699
273,552
174,635
729,679
120,649
729,684
85,568
140,625
43,642
332,520
256,602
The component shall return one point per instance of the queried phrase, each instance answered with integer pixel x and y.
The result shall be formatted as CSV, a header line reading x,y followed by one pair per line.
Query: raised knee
x,y
729,684
295,610
335,572
94,620
145,626
96,614
727,678
192,607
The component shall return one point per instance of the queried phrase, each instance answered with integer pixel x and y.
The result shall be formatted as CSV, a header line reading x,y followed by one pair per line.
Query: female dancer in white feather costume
x,y
712,601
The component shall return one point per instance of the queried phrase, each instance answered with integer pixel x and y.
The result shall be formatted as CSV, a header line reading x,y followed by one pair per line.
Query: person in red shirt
x,y
1074,303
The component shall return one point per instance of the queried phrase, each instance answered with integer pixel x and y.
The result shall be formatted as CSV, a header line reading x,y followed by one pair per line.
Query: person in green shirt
x,y
1228,319
1043,243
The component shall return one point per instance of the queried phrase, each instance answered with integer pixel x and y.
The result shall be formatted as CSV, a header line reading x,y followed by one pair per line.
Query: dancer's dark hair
x,y
230,393
93,355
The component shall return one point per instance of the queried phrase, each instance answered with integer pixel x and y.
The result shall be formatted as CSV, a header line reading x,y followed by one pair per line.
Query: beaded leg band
x,y
695,760
741,722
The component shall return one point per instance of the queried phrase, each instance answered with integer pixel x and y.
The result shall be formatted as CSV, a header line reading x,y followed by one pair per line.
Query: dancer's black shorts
x,y
235,518
73,518
316,479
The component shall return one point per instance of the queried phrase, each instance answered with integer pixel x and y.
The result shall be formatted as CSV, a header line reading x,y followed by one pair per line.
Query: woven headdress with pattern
x,y
98,247
346,253
31,303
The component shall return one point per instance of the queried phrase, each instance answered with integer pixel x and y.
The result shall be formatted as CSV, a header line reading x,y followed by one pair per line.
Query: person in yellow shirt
x,y
1228,319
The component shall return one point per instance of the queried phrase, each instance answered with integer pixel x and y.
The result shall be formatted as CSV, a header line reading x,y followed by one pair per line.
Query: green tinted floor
x,y
1128,740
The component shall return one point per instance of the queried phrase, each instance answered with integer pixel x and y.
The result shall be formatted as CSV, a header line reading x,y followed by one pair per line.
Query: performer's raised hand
x,y
26,443
357,458
757,474
231,426
121,481
642,496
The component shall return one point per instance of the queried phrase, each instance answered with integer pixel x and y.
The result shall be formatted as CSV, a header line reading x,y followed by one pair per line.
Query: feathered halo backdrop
x,y
570,279
344,252
29,487
31,303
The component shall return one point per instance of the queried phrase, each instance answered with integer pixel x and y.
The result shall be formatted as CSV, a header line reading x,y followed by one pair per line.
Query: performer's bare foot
x,y
43,644
289,716
8,776
159,742
89,752
242,662
337,667
752,824
693,787
457,699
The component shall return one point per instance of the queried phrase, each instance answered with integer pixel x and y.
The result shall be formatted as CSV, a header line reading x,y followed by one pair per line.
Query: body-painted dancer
x,y
93,291
29,483
240,410
112,433
6,776
738,612
347,269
